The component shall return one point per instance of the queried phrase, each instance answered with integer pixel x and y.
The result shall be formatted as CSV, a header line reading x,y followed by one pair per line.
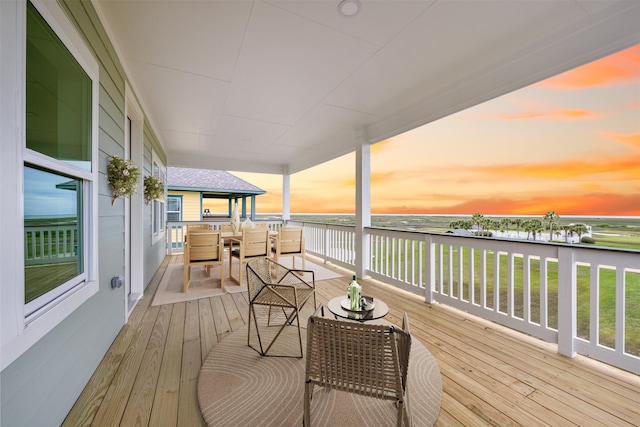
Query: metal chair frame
x,y
273,285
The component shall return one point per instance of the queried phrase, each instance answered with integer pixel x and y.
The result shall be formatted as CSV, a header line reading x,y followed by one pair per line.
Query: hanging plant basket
x,y
123,177
153,189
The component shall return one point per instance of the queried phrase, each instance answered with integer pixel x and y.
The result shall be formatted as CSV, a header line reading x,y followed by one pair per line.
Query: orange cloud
x,y
632,140
380,146
626,166
620,68
558,114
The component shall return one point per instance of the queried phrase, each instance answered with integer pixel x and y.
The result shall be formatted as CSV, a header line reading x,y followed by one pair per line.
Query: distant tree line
x,y
534,227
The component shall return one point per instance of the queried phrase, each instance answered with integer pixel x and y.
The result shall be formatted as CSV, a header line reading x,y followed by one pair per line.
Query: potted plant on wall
x,y
153,189
123,177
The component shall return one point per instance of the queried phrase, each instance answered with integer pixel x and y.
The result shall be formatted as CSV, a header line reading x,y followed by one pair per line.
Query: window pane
x,y
173,204
52,223
58,97
174,208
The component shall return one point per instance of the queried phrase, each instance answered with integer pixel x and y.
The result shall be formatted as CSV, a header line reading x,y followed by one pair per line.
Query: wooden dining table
x,y
238,235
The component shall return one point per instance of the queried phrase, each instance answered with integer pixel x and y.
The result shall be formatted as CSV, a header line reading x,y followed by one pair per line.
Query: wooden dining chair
x,y
366,359
251,243
289,242
197,227
202,248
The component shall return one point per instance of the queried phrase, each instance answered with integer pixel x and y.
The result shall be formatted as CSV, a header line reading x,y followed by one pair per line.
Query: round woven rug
x,y
238,387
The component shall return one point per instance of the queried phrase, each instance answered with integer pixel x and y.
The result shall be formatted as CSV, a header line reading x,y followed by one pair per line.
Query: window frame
x,y
177,197
158,170
19,330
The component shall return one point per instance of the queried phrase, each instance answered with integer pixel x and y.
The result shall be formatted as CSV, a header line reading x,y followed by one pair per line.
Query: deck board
x,y
491,375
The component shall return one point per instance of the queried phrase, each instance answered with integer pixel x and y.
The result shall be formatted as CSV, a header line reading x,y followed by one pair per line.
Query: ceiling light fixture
x,y
349,7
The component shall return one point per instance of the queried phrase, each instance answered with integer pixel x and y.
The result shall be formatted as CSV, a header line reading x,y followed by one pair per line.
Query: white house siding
x,y
40,387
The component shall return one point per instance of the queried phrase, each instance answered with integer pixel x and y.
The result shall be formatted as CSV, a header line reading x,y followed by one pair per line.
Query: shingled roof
x,y
208,180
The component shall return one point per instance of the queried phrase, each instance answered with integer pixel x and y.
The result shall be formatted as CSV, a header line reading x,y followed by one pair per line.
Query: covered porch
x,y
491,375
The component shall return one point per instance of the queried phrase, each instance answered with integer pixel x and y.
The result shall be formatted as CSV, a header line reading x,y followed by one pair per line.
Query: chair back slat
x,y
198,227
255,242
204,253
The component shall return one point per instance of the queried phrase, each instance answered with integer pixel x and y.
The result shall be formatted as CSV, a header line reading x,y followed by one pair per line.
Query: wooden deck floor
x,y
491,375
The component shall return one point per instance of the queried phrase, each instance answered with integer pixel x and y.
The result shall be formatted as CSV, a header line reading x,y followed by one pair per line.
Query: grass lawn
x,y
607,292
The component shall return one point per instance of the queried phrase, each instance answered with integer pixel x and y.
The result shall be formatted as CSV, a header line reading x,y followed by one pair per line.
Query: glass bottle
x,y
354,294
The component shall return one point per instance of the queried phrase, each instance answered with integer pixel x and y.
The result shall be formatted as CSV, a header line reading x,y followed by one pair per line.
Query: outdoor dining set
x,y
206,247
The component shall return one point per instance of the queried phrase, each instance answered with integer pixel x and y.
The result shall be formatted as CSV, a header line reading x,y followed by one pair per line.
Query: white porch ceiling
x,y
281,86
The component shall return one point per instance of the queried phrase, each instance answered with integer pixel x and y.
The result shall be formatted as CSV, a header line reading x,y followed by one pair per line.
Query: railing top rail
x,y
484,241
325,225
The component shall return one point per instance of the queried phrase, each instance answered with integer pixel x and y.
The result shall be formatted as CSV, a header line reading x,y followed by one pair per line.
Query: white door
x,y
134,207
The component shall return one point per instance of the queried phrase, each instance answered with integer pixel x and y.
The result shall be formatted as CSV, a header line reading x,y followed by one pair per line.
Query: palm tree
x,y
534,226
492,224
478,220
518,223
579,229
504,224
551,217
526,226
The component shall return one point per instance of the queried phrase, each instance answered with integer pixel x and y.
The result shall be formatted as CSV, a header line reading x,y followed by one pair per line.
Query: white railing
x,y
547,290
177,230
48,244
331,243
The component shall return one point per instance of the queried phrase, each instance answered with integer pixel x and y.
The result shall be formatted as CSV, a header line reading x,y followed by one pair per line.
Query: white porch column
x,y
567,304
286,196
253,207
363,202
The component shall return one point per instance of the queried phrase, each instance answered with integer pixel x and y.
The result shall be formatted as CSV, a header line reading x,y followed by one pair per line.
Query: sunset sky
x,y
570,144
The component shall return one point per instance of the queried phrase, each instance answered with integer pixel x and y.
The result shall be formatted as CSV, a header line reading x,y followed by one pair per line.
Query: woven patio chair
x,y
273,285
366,359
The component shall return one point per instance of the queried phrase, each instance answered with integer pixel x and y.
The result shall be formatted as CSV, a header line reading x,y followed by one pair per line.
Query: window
x,y
55,168
158,212
58,155
53,218
174,208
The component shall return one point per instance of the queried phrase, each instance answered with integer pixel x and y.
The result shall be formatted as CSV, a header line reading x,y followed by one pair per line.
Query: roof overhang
x,y
281,86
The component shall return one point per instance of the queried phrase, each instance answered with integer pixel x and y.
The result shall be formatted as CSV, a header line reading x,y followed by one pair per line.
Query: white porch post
x,y
363,203
567,304
253,207
286,197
